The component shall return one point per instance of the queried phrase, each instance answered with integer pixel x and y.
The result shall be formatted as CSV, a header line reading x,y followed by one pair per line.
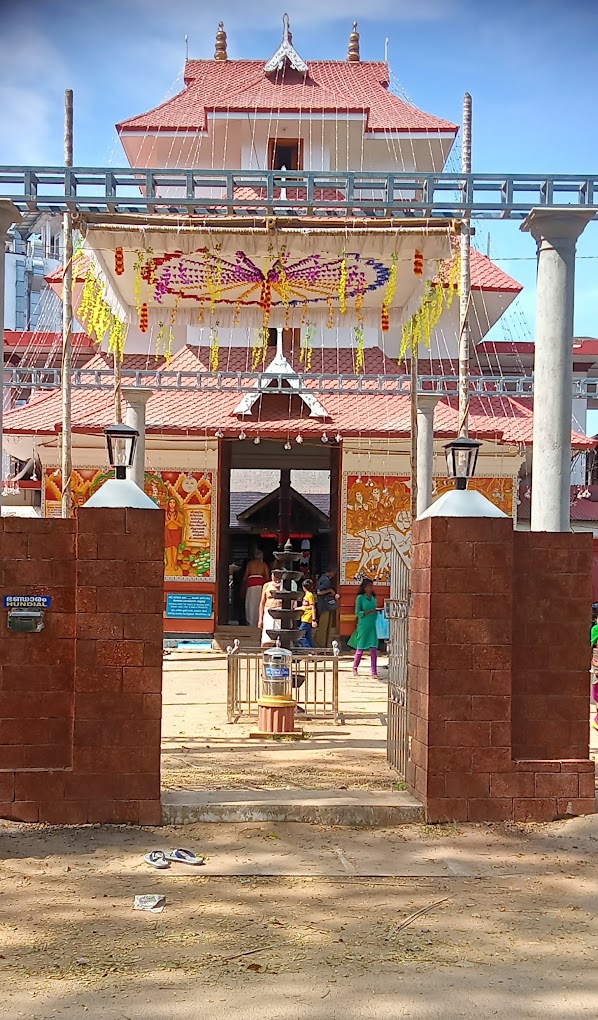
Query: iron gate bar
x,y
244,382
358,193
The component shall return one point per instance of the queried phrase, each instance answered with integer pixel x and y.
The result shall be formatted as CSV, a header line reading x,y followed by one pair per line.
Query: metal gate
x,y
397,610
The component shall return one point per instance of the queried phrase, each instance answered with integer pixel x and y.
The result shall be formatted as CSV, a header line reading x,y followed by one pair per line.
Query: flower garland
x,y
418,263
119,261
342,287
98,318
359,349
260,347
389,295
307,347
214,350
438,295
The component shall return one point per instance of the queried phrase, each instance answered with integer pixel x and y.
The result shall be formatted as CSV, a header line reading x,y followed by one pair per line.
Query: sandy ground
x,y
520,940
203,751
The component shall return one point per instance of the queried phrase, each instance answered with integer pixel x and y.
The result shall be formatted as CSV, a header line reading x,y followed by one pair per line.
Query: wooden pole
x,y
465,288
414,428
118,412
67,318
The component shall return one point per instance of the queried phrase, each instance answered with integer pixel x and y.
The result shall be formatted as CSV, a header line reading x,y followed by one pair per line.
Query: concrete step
x,y
320,807
250,637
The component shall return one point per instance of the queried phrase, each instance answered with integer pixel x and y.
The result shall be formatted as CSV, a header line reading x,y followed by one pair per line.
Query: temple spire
x,y
286,52
220,52
353,54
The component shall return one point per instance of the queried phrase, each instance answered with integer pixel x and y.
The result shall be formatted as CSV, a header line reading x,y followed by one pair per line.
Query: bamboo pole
x,y
414,429
118,411
67,318
465,283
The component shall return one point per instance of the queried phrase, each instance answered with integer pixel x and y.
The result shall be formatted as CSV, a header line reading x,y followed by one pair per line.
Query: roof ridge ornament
x,y
353,55
286,52
220,53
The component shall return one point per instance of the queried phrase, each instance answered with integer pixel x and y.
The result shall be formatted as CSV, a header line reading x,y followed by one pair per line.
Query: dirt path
x,y
201,750
523,942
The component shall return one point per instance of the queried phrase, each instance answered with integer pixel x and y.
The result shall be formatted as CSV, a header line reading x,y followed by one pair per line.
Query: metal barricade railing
x,y
315,681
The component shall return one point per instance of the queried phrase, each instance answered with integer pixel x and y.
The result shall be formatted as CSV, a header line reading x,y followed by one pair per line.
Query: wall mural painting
x,y
188,499
376,516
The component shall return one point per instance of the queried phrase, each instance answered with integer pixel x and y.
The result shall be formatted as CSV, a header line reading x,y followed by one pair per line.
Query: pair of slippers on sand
x,y
159,859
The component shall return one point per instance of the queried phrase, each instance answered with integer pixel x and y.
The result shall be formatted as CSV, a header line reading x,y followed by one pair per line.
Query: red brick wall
x,y
473,582
551,647
81,703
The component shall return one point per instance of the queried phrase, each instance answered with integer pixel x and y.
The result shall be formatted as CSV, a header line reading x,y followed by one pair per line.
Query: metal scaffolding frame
x,y
247,382
325,194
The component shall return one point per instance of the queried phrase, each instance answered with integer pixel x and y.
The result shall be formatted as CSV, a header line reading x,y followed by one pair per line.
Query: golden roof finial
x,y
220,51
353,54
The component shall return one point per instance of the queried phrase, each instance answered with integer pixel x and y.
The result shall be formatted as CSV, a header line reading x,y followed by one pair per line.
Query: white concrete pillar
x,y
136,398
9,214
556,232
425,449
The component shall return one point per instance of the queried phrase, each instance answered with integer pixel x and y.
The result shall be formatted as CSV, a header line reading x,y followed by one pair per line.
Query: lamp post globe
x,y
461,459
121,441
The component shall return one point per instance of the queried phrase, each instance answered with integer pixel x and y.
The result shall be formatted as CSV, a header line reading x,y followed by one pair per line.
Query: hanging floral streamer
x,y
260,347
418,263
359,349
98,318
119,261
160,340
307,347
439,294
342,286
143,318
214,350
389,294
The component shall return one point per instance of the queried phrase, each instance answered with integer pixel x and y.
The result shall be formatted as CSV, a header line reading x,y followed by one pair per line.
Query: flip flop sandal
x,y
157,859
182,856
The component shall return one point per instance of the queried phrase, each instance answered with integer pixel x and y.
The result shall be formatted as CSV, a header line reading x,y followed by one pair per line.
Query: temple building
x,y
274,328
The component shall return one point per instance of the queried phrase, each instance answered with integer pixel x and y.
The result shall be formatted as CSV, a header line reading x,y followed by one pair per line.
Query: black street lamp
x,y
461,459
121,441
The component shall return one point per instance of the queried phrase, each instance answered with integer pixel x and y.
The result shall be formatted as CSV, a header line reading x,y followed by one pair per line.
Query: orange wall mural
x,y
376,515
188,499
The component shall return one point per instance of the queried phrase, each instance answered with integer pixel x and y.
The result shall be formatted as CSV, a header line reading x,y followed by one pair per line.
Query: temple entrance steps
x,y
379,808
249,637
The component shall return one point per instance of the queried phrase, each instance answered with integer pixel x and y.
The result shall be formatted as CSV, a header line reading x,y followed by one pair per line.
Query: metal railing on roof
x,y
250,193
247,382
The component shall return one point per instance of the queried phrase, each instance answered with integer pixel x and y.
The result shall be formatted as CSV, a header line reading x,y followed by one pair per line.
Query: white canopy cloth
x,y
230,275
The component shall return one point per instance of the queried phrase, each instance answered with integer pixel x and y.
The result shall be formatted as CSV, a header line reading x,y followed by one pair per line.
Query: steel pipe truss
x,y
251,193
246,382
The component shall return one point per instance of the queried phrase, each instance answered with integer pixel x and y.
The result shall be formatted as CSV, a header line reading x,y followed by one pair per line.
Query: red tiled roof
x,y
194,412
487,276
330,86
41,339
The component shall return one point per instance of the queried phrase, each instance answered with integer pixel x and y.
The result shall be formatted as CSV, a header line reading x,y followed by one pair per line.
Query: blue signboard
x,y
189,607
27,601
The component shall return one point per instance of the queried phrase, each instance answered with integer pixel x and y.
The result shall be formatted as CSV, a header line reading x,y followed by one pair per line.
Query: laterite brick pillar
x,y
491,735
81,702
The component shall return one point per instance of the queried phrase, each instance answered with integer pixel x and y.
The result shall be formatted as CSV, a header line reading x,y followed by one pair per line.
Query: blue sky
x,y
530,66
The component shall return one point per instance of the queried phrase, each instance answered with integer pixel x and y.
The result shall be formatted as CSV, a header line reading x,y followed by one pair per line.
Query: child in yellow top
x,y
308,615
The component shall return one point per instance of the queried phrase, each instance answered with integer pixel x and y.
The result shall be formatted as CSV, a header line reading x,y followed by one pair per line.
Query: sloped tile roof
x,y
174,412
330,86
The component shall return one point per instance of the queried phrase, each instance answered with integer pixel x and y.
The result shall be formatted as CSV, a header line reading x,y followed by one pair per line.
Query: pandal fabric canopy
x,y
155,276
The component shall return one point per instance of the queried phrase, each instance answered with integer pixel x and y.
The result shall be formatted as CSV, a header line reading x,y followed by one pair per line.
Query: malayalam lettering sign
x,y
189,607
27,601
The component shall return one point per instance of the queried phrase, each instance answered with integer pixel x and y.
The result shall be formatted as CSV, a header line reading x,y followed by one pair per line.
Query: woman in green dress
x,y
364,636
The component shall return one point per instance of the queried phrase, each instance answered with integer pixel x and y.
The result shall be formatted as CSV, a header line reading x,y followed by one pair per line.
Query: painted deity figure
x,y
173,535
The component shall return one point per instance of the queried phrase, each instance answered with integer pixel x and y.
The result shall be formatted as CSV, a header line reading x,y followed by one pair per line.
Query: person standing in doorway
x,y
255,577
308,615
327,603
266,622
365,635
